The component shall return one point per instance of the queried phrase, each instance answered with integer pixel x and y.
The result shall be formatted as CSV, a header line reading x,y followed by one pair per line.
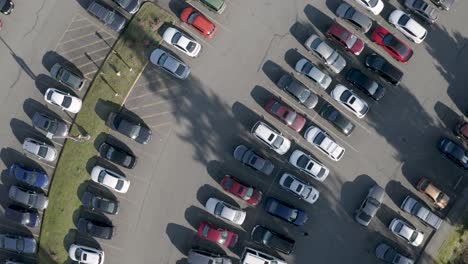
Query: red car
x,y
198,21
392,44
221,236
345,38
286,114
246,193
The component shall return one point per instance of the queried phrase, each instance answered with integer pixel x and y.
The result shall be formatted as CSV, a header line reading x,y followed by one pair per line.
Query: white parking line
x,y
74,39
154,103
80,18
90,73
85,46
89,53
63,34
56,143
157,114
95,61
162,124
78,28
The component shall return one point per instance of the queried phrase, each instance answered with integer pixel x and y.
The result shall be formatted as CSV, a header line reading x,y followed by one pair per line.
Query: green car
x,y
216,5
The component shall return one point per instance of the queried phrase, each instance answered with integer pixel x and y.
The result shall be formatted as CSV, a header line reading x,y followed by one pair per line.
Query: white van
x,y
253,256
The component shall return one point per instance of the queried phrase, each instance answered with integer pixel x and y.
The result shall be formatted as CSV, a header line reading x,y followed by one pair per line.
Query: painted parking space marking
x,y
89,53
85,46
77,38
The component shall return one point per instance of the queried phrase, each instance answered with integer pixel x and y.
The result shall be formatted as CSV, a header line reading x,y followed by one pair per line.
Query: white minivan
x,y
253,256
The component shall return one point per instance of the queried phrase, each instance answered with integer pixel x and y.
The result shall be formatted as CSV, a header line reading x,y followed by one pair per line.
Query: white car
x,y
170,64
63,100
86,255
329,56
110,179
304,66
323,142
299,188
350,100
406,232
225,211
270,137
309,165
408,26
40,149
374,6
181,42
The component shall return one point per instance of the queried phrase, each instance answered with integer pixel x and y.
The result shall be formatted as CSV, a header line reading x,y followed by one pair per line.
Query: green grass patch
x,y
456,245
132,50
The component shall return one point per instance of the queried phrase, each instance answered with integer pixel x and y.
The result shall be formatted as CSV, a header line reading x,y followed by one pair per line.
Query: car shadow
x,y
301,31
396,192
23,130
318,19
181,237
292,56
103,108
273,71
448,117
354,192
207,191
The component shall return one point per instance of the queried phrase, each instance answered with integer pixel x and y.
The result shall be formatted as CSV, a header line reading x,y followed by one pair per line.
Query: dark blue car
x,y
22,215
454,152
29,176
286,212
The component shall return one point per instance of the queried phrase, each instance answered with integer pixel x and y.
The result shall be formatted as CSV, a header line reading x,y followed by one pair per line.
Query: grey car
x,y
67,77
40,149
108,16
129,127
131,6
443,4
95,228
370,205
100,203
28,198
413,207
304,66
250,158
329,56
390,255
298,90
170,64
53,127
422,9
356,18
198,256
18,244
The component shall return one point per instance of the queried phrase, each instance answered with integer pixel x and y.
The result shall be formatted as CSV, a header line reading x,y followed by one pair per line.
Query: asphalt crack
x,y
37,19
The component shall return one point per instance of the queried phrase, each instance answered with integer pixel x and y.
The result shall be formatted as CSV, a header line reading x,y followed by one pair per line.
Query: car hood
x,y
42,202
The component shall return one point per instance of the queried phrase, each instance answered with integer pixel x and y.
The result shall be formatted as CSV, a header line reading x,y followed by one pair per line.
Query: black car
x,y
95,228
454,151
22,215
6,6
422,9
131,6
365,84
285,212
129,128
385,69
356,18
264,236
298,90
109,17
100,203
117,155
337,119
443,4
54,127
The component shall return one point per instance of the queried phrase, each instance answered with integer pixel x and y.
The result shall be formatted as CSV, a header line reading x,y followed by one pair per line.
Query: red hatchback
x,y
285,114
345,38
221,236
246,193
392,44
198,21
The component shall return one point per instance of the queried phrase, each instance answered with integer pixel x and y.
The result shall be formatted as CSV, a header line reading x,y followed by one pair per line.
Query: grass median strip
x,y
455,249
111,85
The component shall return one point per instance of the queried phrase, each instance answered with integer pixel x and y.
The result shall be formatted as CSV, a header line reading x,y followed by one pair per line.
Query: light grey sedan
x,y
370,205
170,64
250,158
304,66
330,57
422,9
356,18
298,90
413,207
390,255
28,198
40,149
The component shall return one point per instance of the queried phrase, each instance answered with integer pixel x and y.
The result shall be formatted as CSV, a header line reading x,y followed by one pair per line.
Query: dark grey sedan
x,y
18,244
370,87
52,126
67,76
117,155
370,205
356,18
100,203
95,228
28,198
422,9
131,6
298,90
129,127
250,158
22,215
390,255
266,237
443,4
109,17
337,119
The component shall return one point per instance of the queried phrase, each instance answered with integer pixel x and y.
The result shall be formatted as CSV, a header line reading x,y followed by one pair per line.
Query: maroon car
x,y
218,235
285,114
237,188
345,38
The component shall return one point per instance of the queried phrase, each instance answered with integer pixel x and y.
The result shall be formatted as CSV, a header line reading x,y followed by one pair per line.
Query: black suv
x,y
333,116
385,69
272,239
130,128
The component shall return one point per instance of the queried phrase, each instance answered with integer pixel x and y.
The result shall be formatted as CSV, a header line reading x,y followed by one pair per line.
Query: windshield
x,y
119,185
223,237
403,20
66,101
191,46
352,40
440,197
293,215
373,3
303,161
319,138
248,194
345,96
176,38
218,208
42,151
414,236
180,69
278,142
109,17
32,199
289,116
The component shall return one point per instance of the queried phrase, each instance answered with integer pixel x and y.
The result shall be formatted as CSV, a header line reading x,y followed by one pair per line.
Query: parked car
x,y
131,6
107,16
299,188
350,100
199,22
299,91
100,203
39,149
217,6
170,64
385,69
423,10
22,215
374,6
6,6
86,255
353,16
461,130
413,207
305,67
129,127
270,137
198,256
337,119
225,211
28,198
390,255
330,57
18,244
438,198
406,232
271,239
29,176
309,165
443,4
117,155
110,179
67,77
408,26
218,235
53,127
63,100
250,158
346,39
370,205
394,46
454,152
182,42
323,142
95,228
370,87
286,114
285,212
247,193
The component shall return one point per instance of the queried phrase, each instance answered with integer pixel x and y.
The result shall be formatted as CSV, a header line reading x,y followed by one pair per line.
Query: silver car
x,y
299,188
330,57
356,18
304,66
40,149
370,205
323,142
422,9
390,255
28,198
170,64
413,207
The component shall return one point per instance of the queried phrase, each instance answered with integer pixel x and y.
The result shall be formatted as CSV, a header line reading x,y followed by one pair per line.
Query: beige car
x,y
438,198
